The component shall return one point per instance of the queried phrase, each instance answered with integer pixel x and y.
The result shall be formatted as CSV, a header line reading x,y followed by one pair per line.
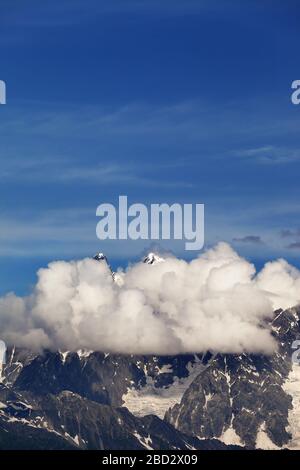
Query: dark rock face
x,y
207,408
74,400
243,392
69,421
103,378
18,436
234,392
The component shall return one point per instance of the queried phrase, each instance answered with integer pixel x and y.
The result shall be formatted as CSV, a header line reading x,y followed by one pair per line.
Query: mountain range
x,y
96,400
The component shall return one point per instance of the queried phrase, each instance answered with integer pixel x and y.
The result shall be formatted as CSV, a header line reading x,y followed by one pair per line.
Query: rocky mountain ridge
x,y
96,400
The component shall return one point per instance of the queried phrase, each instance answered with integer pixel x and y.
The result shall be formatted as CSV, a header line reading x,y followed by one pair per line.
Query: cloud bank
x,y
216,302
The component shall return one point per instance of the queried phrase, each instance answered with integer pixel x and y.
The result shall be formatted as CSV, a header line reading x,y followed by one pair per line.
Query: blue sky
x,y
164,101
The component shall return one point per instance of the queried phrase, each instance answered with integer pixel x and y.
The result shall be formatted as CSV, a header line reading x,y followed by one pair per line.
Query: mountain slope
x,y
95,400
244,393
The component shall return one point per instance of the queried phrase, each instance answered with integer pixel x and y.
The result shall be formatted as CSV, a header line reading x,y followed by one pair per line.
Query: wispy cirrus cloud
x,y
270,155
65,170
64,13
195,119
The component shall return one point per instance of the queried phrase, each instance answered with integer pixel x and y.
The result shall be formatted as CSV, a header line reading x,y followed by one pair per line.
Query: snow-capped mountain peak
x,y
183,401
117,277
153,258
100,256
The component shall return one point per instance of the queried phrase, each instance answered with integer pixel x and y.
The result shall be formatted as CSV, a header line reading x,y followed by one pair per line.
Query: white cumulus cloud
x,y
216,302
